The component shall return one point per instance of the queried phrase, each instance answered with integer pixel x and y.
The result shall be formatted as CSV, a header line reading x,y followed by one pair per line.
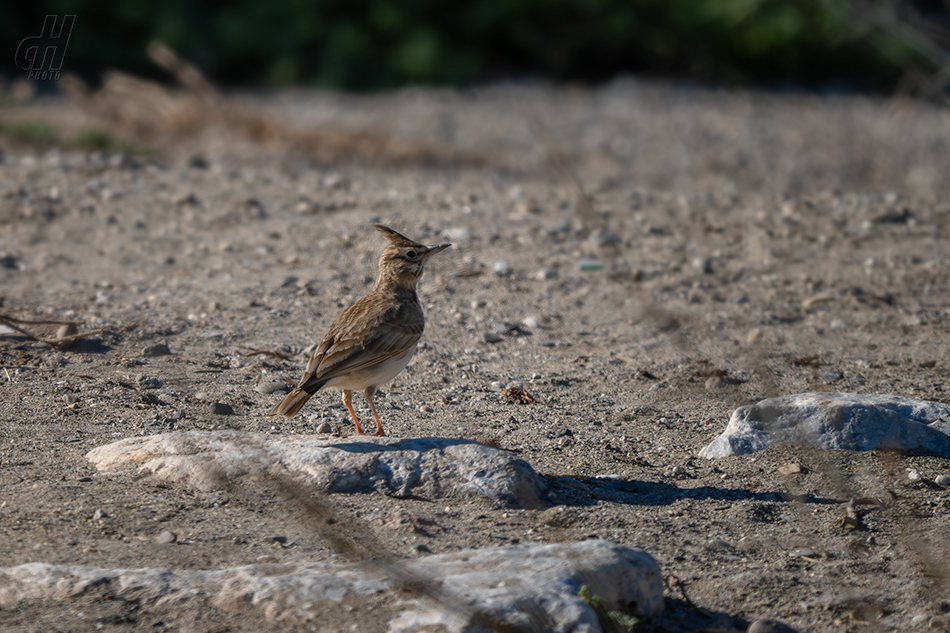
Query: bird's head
x,y
403,260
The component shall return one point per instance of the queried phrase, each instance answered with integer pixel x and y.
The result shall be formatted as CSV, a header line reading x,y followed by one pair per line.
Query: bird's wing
x,y
349,348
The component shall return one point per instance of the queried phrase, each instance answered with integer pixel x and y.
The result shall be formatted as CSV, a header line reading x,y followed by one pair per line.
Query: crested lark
x,y
375,338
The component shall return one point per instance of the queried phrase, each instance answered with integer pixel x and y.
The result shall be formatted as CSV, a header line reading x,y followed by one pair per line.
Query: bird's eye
x,y
411,254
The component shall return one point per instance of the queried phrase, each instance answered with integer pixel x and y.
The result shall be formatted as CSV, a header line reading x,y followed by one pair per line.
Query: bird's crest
x,y
397,239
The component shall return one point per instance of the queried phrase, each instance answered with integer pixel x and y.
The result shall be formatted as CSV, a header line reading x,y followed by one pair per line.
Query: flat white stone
x,y
856,422
522,584
431,467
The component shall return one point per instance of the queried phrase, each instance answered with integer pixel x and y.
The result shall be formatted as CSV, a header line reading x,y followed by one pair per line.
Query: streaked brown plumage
x,y
375,338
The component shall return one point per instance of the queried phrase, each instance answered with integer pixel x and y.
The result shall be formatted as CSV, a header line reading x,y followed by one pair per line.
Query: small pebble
x,y
942,480
714,383
769,626
790,469
804,552
197,161
272,386
502,268
325,427
754,336
166,537
604,238
491,337
703,264
832,376
185,198
573,484
425,409
913,475
739,299
159,349
149,382
99,514
221,408
588,265
275,538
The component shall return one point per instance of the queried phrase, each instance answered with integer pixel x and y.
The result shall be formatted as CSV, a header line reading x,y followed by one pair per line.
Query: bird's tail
x,y
291,404
294,401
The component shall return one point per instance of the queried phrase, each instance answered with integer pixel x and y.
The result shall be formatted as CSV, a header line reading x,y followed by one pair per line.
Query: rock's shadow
x,y
407,444
644,493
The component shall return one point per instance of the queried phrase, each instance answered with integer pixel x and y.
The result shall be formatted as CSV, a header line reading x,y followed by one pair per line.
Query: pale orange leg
x,y
348,402
369,398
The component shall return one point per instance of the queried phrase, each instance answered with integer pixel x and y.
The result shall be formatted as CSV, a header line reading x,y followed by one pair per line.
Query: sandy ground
x,y
734,247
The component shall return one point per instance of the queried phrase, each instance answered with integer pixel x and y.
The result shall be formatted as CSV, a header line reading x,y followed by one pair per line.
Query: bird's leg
x,y
348,402
369,398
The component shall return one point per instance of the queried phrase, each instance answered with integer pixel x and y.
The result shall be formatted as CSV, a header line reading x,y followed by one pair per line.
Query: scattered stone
x,y
803,552
275,538
159,349
149,382
185,198
703,264
815,300
166,537
197,161
832,376
942,480
714,383
836,421
502,268
769,626
99,515
325,427
458,234
491,337
589,265
517,583
269,387
913,475
790,469
221,408
572,484
431,467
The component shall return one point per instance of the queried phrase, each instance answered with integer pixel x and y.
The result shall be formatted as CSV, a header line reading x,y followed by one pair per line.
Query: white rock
x,y
502,268
836,421
433,467
511,584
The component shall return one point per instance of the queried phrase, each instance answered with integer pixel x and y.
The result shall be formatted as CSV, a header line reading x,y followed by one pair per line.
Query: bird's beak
x,y
436,249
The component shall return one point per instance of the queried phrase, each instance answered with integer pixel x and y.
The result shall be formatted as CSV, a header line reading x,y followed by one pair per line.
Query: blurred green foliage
x,y
369,44
42,134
